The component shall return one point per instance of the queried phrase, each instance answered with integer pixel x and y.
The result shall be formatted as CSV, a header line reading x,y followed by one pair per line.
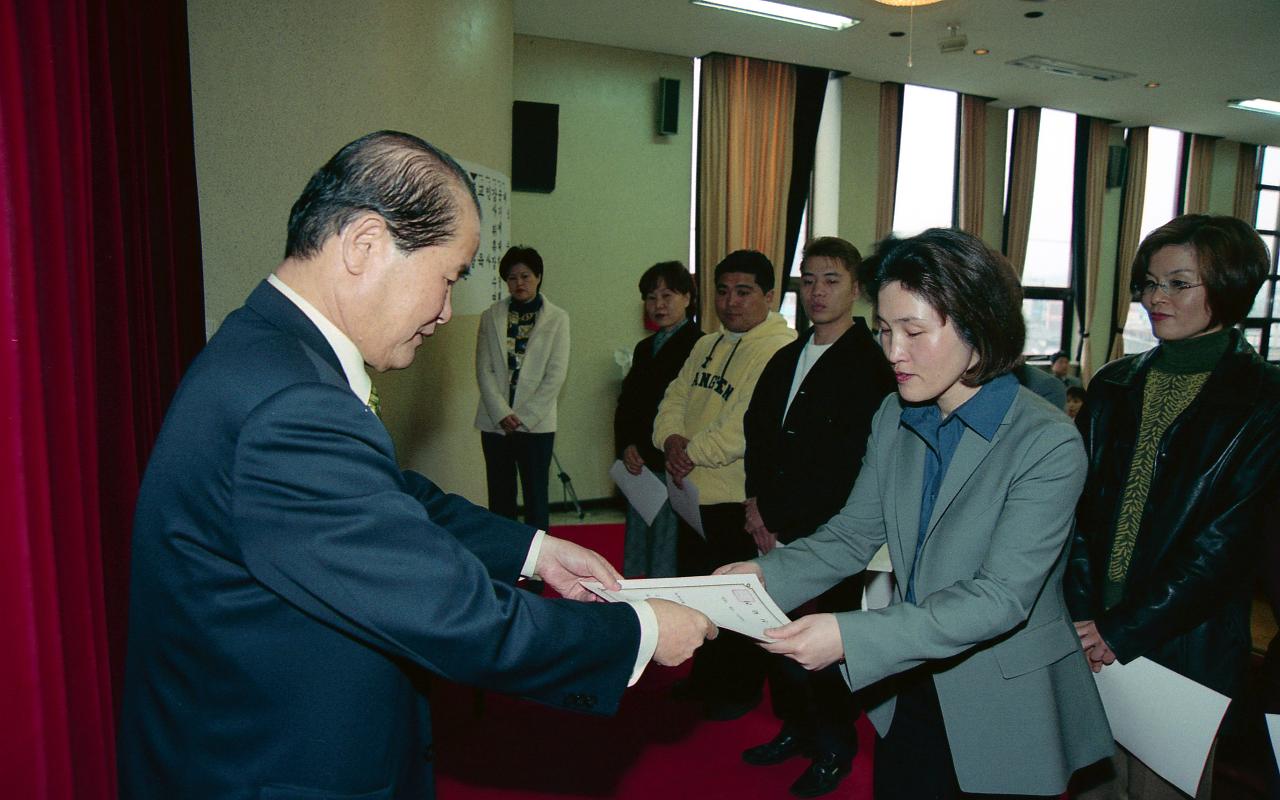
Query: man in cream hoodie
x,y
699,429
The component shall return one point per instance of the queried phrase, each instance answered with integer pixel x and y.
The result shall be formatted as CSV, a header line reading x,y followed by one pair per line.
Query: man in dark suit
x,y
291,585
806,431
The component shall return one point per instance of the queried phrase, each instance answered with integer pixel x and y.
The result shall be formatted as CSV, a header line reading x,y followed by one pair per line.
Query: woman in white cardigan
x,y
522,357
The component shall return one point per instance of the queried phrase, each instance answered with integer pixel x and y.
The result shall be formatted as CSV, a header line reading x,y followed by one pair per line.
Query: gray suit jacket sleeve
x,y
1008,527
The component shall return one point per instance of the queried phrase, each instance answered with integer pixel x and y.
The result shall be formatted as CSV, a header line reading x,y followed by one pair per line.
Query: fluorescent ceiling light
x,y
782,12
1257,104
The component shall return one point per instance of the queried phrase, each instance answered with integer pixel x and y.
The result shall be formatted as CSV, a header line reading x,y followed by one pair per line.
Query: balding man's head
x,y
414,186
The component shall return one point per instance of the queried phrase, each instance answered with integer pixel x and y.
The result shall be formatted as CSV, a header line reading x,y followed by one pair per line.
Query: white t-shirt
x,y
808,357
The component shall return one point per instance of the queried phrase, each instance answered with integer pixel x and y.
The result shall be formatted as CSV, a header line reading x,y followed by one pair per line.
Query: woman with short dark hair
x,y
971,481
667,291
1184,458
522,358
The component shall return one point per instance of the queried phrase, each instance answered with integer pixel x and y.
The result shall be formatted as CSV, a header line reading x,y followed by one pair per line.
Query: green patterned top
x,y
1177,375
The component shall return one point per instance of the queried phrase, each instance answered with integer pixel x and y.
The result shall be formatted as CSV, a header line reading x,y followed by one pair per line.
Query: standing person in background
x,y
806,430
667,291
1184,462
1060,366
699,427
522,358
1075,400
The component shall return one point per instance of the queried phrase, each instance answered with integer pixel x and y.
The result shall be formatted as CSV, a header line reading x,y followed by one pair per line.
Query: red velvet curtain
x,y
101,307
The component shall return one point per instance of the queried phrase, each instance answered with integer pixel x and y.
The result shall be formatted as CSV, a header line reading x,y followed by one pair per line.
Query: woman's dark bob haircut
x,y
520,255
967,283
1232,258
675,276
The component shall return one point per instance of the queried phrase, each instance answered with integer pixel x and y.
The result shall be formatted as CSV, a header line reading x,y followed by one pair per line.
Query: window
x,y
1047,306
1159,205
925,196
1262,326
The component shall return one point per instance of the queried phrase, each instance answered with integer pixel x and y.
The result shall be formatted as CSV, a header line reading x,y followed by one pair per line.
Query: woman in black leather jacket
x,y
1184,456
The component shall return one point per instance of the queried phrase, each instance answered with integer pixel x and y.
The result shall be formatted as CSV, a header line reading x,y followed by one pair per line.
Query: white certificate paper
x,y
1166,720
685,502
1273,730
645,492
733,602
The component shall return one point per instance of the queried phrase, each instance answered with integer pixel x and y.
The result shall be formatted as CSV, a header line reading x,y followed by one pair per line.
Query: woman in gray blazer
x,y
971,481
522,358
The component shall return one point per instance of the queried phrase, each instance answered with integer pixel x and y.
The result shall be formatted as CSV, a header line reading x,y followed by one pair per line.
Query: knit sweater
x,y
1177,375
708,399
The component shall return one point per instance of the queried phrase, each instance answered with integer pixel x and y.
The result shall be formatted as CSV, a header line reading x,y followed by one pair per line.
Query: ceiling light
x,y
981,51
1150,85
783,13
1257,104
905,3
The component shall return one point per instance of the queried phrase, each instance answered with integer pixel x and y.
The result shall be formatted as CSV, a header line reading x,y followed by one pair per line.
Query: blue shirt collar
x,y
982,413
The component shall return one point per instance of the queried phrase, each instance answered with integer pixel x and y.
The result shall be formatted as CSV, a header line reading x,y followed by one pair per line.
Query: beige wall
x,y
277,87
621,203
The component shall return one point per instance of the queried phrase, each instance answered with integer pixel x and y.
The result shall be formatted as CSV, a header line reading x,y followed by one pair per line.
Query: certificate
x,y
684,500
1166,720
733,602
645,492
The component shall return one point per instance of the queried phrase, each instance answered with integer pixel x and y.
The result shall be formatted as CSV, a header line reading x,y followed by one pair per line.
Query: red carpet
x,y
489,746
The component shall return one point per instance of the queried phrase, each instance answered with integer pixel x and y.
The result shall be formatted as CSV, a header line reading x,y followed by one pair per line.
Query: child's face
x,y
1073,406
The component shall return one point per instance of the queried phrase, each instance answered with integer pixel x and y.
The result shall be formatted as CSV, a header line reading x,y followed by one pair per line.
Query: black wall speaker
x,y
668,106
1117,165
535,141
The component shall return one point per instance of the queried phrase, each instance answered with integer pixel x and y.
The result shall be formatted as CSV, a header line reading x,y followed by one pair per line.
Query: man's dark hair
x,y
518,254
675,276
837,249
967,283
398,176
751,262
1058,355
1233,261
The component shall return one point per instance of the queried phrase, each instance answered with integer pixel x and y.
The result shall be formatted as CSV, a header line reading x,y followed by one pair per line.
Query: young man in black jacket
x,y
806,432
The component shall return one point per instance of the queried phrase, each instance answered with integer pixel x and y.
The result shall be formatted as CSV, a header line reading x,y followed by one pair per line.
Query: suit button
x,y
429,753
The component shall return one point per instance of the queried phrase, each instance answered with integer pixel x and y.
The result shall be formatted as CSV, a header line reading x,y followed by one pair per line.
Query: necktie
x,y
375,405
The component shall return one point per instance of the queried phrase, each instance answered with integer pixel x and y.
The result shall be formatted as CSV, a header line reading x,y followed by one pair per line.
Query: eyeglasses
x,y
1171,289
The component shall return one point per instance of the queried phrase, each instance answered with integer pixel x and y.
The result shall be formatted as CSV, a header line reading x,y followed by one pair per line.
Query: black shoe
x,y
726,710
778,749
822,776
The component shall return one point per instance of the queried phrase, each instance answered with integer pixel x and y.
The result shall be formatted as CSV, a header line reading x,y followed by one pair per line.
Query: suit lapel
x,y
969,456
906,493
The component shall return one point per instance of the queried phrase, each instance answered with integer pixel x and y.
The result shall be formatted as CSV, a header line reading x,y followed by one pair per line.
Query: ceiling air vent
x,y
1066,68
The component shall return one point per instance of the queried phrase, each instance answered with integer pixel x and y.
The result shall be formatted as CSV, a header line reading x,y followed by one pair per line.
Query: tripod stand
x,y
566,483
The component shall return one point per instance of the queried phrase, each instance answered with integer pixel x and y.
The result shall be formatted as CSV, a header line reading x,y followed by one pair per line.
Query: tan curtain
x,y
971,181
1022,179
1199,174
1245,205
890,135
744,166
1135,187
1095,184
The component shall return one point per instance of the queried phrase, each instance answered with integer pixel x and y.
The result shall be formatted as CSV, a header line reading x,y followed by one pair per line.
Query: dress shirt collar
x,y
345,349
981,413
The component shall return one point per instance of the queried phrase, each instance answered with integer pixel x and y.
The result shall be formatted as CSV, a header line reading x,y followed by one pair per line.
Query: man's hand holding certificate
x,y
736,602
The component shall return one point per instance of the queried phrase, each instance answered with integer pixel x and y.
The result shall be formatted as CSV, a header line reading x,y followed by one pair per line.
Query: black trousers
x,y
913,762
530,455
818,706
731,667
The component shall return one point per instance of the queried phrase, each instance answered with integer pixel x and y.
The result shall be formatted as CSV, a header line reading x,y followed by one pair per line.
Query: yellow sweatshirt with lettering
x,y
708,399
